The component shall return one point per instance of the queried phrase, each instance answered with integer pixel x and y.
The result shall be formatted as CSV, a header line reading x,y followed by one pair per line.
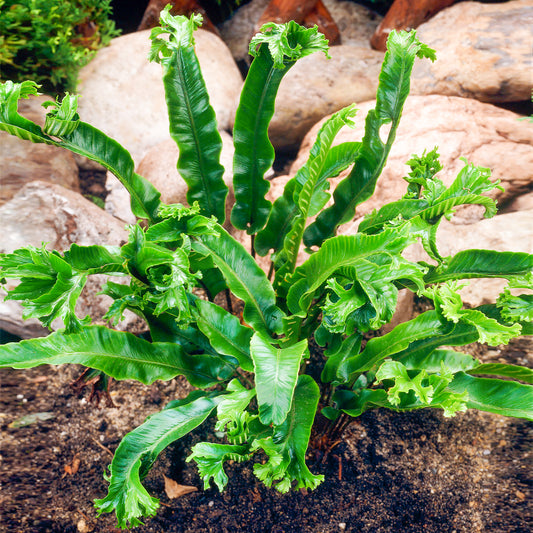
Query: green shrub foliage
x,y
43,39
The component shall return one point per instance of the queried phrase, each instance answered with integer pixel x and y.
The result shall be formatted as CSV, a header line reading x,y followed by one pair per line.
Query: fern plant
x,y
251,372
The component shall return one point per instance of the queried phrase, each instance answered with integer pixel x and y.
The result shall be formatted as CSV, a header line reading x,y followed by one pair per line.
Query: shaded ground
x,y
411,472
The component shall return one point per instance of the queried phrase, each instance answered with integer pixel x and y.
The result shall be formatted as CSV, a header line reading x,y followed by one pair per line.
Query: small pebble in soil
x,y
82,526
211,503
342,526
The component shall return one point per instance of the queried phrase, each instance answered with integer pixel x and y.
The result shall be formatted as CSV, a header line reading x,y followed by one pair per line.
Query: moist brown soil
x,y
409,472
92,184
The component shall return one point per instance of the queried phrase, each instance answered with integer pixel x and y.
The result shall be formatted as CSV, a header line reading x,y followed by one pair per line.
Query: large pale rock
x,y
22,162
483,52
42,212
123,93
355,22
520,203
159,167
510,232
316,87
484,134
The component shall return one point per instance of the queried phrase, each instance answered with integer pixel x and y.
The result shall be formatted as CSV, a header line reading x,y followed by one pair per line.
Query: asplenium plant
x,y
253,372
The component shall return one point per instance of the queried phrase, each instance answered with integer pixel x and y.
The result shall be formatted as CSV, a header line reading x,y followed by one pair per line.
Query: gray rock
x,y
483,52
22,162
356,23
43,212
484,134
238,30
123,94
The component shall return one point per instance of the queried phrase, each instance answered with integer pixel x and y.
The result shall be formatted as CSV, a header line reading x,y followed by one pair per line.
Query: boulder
x,y
405,15
355,22
49,213
509,232
238,30
159,167
316,87
483,52
123,93
484,134
22,162
520,203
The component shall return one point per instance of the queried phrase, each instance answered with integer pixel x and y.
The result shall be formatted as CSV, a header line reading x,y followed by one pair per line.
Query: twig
x,y
103,447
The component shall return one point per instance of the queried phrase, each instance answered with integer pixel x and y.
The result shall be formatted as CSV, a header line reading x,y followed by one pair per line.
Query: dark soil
x,y
411,472
92,185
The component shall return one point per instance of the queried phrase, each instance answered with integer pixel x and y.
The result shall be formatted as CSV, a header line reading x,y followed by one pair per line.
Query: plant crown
x,y
254,373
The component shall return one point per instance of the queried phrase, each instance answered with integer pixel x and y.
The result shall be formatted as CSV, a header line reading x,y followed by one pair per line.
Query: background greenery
x,y
49,41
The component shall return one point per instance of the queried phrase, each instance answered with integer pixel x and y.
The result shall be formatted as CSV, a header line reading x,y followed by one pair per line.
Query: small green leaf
x,y
506,398
210,458
32,418
432,362
517,372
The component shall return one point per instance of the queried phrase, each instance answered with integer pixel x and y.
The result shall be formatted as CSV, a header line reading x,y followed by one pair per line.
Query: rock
x,y
43,212
123,93
510,232
355,22
22,162
317,86
485,134
238,30
405,15
483,52
150,17
159,167
520,203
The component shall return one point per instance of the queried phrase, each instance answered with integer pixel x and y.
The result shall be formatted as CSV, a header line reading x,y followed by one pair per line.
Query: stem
x,y
252,246
331,391
228,301
270,271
